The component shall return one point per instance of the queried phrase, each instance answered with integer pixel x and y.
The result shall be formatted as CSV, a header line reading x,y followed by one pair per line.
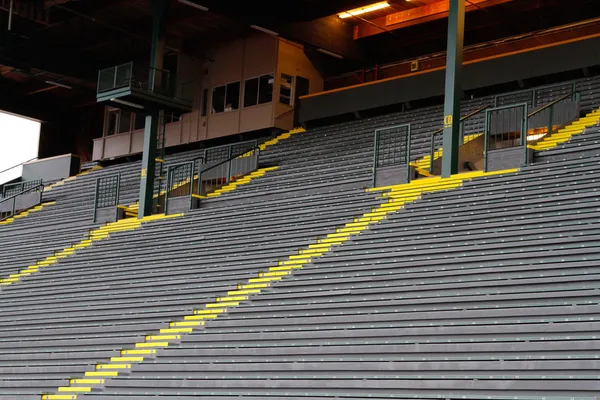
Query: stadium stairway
x,y
25,213
423,164
490,290
95,235
56,320
565,134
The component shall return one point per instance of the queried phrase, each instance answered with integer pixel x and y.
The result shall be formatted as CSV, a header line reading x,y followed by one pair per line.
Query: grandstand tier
x,y
287,272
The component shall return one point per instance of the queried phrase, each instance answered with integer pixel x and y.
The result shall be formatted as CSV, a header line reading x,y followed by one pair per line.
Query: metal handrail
x,y
465,117
566,96
14,196
462,119
18,165
229,160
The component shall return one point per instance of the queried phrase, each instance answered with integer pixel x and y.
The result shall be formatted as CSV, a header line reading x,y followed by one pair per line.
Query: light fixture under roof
x,y
192,4
330,53
364,10
265,30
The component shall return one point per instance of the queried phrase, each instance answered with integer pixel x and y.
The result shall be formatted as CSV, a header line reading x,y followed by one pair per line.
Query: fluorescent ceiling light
x,y
363,10
265,30
62,85
126,103
192,4
330,53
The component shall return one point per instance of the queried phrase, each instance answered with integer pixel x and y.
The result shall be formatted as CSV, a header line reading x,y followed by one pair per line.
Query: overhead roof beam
x,y
415,16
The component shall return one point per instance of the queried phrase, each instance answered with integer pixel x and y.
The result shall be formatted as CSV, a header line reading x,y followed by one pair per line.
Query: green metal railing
x,y
214,155
13,188
212,177
553,116
9,206
107,194
505,127
145,79
514,126
536,97
391,147
180,182
436,143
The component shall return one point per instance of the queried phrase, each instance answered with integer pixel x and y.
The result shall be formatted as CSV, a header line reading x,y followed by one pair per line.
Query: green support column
x,y
148,166
454,61
159,13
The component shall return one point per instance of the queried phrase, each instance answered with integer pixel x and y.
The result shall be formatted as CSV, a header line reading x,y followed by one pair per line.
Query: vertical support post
x,y
96,198
375,157
159,15
191,185
408,144
118,190
168,188
525,131
148,166
454,61
229,156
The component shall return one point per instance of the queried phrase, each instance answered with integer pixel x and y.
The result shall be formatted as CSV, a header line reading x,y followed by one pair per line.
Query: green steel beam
x,y
454,61
146,202
148,167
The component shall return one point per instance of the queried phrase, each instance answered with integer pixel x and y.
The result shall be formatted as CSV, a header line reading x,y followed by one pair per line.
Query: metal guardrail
x,y
180,182
214,177
145,79
18,165
225,152
435,142
9,205
391,147
107,194
513,126
12,188
535,97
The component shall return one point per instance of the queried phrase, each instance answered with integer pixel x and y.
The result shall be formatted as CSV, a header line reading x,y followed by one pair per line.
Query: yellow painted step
x,y
102,374
199,317
138,352
74,389
151,345
185,324
176,330
59,397
83,381
127,359
243,291
104,367
261,280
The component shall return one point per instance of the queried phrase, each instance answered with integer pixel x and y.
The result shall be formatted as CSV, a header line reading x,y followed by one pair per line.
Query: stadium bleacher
x,y
475,286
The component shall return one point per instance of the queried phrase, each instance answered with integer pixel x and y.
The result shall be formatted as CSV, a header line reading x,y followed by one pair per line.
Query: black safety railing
x,y
145,79
106,197
212,177
436,150
14,188
20,201
180,183
391,148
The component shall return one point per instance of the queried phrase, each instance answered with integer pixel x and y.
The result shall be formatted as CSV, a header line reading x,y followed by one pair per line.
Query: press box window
x,y
285,89
226,98
258,90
